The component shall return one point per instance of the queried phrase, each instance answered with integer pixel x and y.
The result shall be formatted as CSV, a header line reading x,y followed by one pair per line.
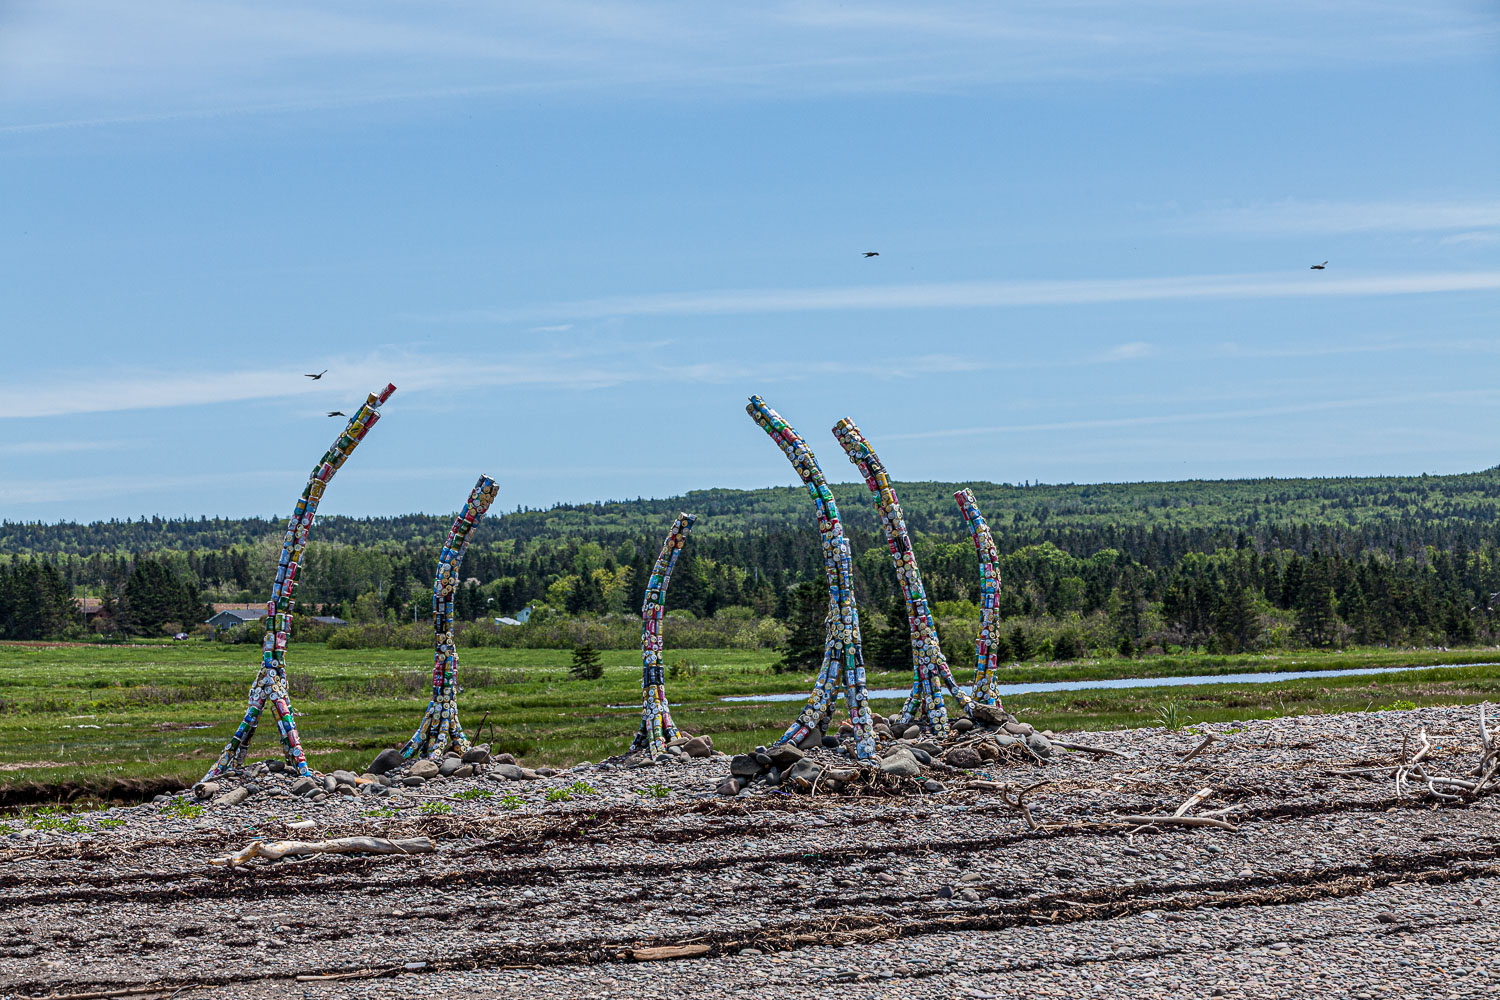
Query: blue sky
x,y
578,236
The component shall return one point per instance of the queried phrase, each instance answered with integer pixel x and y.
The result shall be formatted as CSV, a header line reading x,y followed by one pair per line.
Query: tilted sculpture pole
x,y
930,673
440,729
986,661
657,727
270,682
842,653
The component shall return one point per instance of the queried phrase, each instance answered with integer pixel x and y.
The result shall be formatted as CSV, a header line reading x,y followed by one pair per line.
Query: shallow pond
x,y
1133,682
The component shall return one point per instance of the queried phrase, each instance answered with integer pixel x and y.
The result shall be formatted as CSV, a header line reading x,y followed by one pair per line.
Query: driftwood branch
x,y
342,845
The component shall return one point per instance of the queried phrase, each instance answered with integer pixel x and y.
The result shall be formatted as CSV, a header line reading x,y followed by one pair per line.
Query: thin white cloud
x,y
987,294
56,447
72,62
1293,217
1468,396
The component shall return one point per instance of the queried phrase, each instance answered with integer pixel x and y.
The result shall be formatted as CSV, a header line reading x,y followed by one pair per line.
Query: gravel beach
x,y
604,881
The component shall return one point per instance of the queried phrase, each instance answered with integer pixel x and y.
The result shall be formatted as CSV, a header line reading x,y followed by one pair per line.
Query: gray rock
x,y
912,732
344,777
969,895
785,755
206,789
989,715
546,772
730,786
450,766
1018,728
527,774
922,756
699,746
773,776
763,758
831,742
932,786
508,771
1039,744
812,739
946,892
463,771
413,780
424,769
743,765
502,758
329,783
305,786
963,757
386,760
900,762
963,725
275,765
477,755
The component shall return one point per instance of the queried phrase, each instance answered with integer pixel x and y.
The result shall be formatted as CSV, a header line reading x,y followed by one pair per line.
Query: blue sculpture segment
x,y
270,682
657,728
843,658
986,661
440,730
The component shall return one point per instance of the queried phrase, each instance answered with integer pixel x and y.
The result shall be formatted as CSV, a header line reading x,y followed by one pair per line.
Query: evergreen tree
x,y
1235,625
587,665
1019,643
808,632
890,648
1316,620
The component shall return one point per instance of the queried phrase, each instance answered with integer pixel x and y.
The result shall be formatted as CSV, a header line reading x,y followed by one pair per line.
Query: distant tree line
x,y
1125,568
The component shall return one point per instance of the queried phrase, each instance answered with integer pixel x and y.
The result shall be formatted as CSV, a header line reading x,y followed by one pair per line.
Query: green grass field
x,y
87,718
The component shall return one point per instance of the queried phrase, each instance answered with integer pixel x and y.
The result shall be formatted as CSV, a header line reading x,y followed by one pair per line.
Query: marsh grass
x,y
94,719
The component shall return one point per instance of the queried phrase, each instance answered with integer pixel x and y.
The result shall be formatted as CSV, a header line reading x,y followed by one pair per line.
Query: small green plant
x,y
6,829
109,823
474,793
436,808
511,801
582,788
681,669
383,812
559,795
655,791
1399,706
1170,715
182,809
586,664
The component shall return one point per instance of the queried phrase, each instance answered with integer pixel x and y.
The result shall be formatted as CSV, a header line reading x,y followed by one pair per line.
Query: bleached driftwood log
x,y
342,845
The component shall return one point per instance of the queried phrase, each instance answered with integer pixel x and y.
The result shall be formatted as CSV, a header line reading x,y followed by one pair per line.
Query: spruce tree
x,y
808,632
586,664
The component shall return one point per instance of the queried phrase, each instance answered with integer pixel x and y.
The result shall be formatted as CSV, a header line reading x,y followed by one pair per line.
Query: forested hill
x,y
1236,564
1387,512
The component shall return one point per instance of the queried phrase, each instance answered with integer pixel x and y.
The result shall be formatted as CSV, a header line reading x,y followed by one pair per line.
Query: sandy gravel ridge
x,y
1330,884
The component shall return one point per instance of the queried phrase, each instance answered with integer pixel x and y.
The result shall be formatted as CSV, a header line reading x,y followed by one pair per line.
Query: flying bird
x,y
337,413
1318,267
319,375
872,253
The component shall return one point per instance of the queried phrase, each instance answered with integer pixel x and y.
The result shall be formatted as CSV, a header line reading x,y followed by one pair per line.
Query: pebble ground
x,y
1331,884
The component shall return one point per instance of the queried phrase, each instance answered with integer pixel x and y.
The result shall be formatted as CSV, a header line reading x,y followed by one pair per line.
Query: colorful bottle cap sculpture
x,y
986,662
657,727
270,682
440,730
843,657
930,673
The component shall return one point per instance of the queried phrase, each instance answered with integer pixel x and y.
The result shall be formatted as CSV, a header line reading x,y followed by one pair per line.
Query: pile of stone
x,y
784,766
991,737
679,750
275,780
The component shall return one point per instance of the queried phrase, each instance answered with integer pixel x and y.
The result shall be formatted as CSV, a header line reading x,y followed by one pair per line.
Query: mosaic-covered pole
x,y
657,727
843,657
270,682
440,730
986,661
930,673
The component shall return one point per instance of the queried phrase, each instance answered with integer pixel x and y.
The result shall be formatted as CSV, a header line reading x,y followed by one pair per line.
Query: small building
x,y
506,621
329,620
230,617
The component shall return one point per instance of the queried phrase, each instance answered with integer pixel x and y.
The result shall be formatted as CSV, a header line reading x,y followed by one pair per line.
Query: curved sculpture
x,y
657,727
270,682
930,673
440,730
986,662
843,657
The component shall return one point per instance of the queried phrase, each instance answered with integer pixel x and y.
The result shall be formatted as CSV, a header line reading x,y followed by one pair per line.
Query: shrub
x,y
586,664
